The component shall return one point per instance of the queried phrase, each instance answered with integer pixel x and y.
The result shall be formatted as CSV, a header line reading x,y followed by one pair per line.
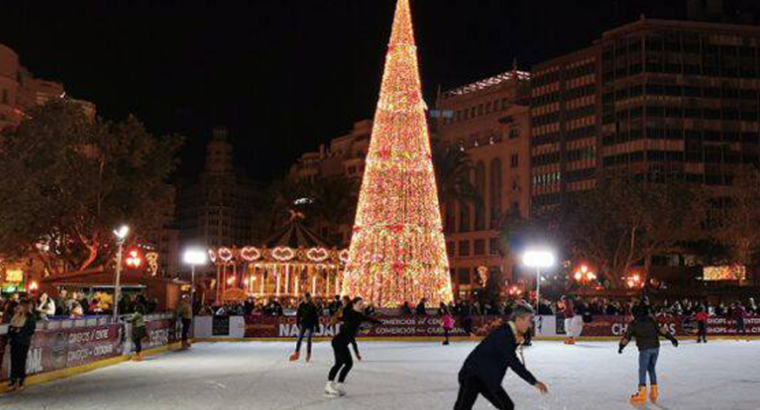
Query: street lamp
x,y
121,235
194,257
538,258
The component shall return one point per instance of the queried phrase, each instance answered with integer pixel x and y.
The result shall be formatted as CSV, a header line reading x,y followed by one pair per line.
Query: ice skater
x,y
352,318
568,308
702,317
447,323
484,369
307,319
647,333
739,314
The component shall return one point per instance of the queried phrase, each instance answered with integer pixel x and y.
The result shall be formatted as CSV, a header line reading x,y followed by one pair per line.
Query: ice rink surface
x,y
721,375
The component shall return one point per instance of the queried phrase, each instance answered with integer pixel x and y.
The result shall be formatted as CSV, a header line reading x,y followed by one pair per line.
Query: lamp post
x,y
538,258
194,257
121,235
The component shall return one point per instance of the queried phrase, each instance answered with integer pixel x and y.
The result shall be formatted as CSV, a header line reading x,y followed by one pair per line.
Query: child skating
x,y
484,369
447,323
647,333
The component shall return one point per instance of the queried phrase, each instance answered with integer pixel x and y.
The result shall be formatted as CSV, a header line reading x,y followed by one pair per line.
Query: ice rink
x,y
399,376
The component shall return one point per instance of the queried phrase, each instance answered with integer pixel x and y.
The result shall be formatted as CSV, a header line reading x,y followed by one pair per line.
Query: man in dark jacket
x,y
484,369
307,319
647,333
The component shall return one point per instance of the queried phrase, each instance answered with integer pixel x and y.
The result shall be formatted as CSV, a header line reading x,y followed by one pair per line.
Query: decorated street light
x,y
121,235
584,275
537,259
194,257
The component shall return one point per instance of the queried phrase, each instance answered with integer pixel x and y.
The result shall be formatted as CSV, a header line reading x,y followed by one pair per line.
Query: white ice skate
x,y
331,390
341,388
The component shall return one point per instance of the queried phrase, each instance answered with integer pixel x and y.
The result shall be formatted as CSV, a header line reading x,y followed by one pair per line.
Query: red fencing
x,y
392,326
58,349
430,326
605,326
55,349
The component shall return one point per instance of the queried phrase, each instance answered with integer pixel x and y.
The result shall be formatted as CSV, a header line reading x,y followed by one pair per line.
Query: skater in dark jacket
x,y
20,332
647,334
352,318
484,369
307,318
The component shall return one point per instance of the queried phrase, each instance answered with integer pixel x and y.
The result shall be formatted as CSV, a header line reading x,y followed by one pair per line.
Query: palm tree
x,y
452,175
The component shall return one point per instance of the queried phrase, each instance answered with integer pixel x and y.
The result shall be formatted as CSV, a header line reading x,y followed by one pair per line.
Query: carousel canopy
x,y
295,235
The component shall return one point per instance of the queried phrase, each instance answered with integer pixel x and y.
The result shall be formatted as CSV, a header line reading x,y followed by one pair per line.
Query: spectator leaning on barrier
x,y
20,338
185,315
46,307
139,331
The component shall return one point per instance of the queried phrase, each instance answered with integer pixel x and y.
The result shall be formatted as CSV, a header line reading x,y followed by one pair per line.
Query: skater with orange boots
x,y
307,318
647,333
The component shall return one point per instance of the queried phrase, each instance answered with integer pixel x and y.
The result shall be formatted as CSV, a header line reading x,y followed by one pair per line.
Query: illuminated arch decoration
x,y
290,263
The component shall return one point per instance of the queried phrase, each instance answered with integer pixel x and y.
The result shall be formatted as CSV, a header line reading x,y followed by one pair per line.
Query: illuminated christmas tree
x,y
398,252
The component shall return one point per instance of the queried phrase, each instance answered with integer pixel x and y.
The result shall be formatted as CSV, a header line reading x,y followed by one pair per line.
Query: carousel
x,y
290,263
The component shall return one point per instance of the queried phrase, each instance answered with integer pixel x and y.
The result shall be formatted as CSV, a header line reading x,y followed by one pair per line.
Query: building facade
x,y
656,98
21,91
490,121
216,210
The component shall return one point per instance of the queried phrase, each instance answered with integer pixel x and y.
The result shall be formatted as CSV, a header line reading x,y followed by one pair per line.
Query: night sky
x,y
284,75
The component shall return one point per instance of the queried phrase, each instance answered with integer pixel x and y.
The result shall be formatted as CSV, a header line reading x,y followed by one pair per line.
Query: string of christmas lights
x,y
398,252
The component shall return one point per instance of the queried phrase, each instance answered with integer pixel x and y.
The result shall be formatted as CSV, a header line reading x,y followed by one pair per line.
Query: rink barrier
x,y
65,373
428,328
66,347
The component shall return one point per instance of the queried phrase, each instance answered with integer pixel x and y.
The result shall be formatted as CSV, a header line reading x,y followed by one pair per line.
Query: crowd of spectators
x,y
73,305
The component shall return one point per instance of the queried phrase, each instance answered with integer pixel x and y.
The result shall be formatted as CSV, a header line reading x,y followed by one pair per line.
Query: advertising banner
x,y
58,349
392,326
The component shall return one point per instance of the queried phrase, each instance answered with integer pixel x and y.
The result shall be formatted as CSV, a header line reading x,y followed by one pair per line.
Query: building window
x,y
496,193
480,185
450,218
464,248
5,96
464,276
494,246
464,218
480,247
514,160
514,133
450,248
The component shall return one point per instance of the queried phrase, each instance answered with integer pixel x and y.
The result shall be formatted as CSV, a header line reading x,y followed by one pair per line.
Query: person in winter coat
x,y
22,327
702,317
447,322
738,313
185,315
647,333
139,331
307,319
352,318
484,369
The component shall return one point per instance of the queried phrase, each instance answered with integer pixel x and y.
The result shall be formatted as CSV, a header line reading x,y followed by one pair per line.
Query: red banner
x,y
58,349
392,326
606,326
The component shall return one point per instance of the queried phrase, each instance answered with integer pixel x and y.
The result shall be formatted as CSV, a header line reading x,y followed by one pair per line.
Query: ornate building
x,y
216,210
490,121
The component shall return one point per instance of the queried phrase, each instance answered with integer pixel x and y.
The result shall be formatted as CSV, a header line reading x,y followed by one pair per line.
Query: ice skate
x,y
331,391
654,393
308,357
640,397
137,357
341,388
294,356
